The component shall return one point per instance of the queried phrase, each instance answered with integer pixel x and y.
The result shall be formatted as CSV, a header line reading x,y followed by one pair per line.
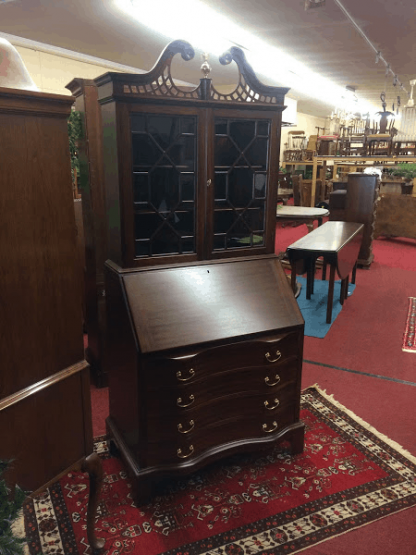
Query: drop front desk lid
x,y
187,305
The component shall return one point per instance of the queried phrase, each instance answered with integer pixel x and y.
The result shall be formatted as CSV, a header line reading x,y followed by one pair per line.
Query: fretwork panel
x,y
164,184
240,187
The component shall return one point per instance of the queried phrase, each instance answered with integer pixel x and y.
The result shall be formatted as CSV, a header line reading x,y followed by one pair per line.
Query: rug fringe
x,y
363,423
18,529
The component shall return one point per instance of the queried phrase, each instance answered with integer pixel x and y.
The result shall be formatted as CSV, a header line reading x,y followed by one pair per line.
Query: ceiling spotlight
x,y
314,4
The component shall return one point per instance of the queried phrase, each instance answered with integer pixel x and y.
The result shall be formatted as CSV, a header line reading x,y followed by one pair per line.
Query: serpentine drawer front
x,y
193,420
250,423
172,371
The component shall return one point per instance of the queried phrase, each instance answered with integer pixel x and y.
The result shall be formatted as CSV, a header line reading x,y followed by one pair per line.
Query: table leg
x,y
309,278
324,270
293,277
319,222
354,272
313,270
342,292
347,280
330,294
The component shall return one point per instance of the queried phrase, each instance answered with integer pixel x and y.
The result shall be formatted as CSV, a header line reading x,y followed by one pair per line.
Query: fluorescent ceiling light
x,y
211,32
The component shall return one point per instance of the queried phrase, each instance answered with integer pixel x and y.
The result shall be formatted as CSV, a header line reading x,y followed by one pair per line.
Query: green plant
x,y
74,133
9,510
404,169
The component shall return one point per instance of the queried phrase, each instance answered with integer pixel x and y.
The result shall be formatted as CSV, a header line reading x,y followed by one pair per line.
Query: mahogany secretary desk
x,y
204,336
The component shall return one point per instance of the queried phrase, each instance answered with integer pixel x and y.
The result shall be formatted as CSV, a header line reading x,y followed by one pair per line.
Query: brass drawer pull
x,y
182,456
269,359
267,380
268,407
179,401
191,375
191,427
272,429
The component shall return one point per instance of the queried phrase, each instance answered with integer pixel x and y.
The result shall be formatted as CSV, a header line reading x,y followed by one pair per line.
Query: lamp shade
x,y
13,72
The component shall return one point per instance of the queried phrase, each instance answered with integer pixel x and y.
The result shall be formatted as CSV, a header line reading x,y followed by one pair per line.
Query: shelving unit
x,y
321,162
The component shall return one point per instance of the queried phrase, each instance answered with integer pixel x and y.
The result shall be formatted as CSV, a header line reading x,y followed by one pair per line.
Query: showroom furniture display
x,y
338,243
347,164
89,149
201,319
45,412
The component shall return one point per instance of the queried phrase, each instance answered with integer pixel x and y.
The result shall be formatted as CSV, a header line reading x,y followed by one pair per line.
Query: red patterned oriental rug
x,y
409,336
265,503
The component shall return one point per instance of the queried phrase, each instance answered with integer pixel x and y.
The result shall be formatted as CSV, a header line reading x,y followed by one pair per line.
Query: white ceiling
x,y
321,38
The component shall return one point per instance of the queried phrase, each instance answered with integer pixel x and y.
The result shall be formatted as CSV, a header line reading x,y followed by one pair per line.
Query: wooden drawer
x,y
184,399
185,368
251,423
193,422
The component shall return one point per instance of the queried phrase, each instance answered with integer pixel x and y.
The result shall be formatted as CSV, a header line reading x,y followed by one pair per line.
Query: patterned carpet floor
x,y
262,503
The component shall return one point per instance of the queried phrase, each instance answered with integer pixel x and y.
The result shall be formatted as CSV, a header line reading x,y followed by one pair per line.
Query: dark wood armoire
x,y
45,408
204,337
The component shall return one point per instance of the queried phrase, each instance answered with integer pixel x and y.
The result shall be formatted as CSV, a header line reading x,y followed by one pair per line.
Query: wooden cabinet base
x,y
144,479
39,420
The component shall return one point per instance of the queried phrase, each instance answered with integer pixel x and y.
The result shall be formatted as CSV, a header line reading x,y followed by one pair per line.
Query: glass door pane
x,y
164,154
241,160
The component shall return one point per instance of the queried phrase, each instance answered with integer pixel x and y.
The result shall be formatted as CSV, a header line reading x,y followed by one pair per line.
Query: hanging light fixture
x,y
408,120
314,4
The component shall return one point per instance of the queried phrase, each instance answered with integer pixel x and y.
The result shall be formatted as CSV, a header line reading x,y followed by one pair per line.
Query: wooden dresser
x,y
205,360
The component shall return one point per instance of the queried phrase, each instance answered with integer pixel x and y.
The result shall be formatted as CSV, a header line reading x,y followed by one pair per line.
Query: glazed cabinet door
x,y
164,166
242,176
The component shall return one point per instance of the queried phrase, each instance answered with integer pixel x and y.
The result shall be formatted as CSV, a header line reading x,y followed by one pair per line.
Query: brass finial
x,y
205,68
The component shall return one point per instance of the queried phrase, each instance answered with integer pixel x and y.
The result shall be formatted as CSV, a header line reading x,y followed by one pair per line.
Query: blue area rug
x,y
314,310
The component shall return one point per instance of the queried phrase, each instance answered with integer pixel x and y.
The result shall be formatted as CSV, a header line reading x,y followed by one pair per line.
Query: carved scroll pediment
x,y
160,83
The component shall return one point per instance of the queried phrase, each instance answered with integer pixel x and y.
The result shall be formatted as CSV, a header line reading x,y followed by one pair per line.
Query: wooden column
x,y
314,172
94,220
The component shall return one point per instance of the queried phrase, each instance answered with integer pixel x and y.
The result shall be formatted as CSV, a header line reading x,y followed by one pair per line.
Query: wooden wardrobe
x,y
45,407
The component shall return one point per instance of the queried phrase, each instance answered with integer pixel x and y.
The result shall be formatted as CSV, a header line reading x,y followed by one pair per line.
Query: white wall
x,y
52,72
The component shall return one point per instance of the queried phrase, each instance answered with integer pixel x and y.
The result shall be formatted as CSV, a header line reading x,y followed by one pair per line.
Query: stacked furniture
x,y
45,412
204,336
